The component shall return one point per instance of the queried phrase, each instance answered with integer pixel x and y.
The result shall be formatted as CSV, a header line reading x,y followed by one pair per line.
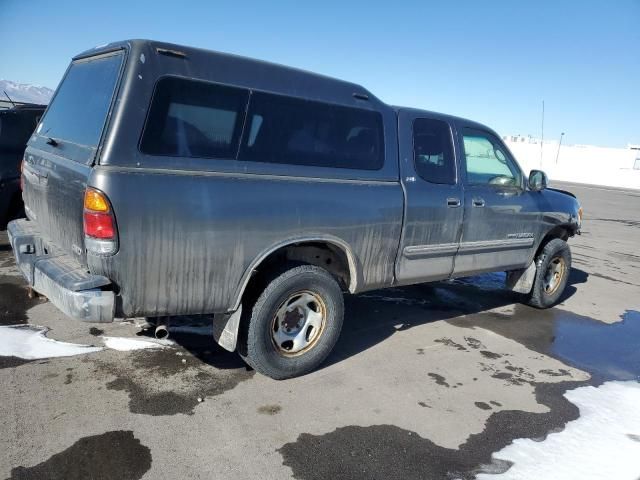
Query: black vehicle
x,y
16,126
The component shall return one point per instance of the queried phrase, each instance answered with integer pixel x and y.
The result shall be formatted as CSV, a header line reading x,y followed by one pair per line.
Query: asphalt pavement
x,y
427,381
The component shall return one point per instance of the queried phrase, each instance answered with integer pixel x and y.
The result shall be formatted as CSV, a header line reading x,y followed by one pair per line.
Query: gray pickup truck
x,y
168,181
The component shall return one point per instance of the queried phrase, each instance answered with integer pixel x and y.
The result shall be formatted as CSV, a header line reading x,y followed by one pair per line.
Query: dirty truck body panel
x,y
196,217
196,255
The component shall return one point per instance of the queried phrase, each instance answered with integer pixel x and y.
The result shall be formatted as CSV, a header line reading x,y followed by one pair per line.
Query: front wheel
x,y
294,324
553,268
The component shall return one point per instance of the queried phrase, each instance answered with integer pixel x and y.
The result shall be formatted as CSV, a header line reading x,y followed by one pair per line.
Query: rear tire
x,y
294,323
553,268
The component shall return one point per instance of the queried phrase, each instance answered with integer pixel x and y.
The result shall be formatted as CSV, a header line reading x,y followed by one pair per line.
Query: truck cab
x,y
469,206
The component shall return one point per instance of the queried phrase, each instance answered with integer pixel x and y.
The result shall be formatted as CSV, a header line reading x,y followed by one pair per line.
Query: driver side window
x,y
487,161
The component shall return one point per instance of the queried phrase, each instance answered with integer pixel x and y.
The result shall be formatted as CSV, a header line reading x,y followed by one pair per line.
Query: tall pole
x,y
559,144
542,136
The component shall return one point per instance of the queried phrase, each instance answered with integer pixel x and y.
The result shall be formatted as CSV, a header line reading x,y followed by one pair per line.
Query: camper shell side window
x,y
198,119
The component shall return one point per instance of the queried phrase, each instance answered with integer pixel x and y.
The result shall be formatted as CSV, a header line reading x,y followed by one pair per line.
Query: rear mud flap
x,y
225,329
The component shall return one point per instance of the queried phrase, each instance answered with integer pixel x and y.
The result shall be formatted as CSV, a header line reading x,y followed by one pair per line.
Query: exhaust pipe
x,y
162,331
162,328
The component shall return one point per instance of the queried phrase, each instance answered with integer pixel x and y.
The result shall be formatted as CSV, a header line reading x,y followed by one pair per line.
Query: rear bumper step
x,y
59,277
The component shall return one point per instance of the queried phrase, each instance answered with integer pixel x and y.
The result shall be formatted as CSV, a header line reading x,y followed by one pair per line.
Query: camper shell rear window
x,y
79,109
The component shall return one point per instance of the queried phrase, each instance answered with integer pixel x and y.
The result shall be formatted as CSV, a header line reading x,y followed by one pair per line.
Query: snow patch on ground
x,y
124,344
30,343
603,443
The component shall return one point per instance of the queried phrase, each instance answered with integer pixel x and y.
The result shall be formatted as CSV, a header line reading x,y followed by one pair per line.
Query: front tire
x,y
553,267
294,324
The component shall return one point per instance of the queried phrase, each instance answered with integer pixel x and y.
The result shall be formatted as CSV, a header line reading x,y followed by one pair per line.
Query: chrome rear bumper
x,y
59,277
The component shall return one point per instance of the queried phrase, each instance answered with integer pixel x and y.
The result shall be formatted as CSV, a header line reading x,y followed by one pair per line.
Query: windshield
x,y
79,108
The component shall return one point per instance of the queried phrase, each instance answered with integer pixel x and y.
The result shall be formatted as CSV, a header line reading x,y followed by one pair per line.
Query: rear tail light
x,y
99,225
100,232
95,201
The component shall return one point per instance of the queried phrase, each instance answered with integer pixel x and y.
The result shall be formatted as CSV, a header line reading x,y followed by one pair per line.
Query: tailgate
x,y
61,153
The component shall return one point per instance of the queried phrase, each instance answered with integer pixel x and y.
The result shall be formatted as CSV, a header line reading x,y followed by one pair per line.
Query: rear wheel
x,y
553,267
294,324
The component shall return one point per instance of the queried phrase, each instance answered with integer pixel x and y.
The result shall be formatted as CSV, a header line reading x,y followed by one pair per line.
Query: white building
x,y
614,167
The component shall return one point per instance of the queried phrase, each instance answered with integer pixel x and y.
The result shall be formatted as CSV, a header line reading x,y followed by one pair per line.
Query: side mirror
x,y
537,180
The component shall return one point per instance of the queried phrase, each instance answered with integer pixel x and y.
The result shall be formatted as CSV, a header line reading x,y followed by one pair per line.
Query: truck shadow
x,y
372,317
195,335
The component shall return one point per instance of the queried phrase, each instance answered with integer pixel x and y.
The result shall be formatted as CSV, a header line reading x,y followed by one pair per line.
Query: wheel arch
x,y
562,231
349,271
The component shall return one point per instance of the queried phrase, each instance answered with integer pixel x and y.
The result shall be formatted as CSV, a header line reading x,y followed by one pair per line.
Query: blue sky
x,y
491,61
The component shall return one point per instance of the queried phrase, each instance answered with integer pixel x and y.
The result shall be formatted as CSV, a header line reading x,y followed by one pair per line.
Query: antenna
x,y
12,103
542,136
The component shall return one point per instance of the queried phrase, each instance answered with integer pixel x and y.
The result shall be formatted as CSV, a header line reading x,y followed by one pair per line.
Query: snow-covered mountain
x,y
23,92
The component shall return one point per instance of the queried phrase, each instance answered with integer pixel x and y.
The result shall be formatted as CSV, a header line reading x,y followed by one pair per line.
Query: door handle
x,y
478,202
453,202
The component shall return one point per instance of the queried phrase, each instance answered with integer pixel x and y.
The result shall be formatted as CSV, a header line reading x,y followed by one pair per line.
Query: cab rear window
x,y
79,109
